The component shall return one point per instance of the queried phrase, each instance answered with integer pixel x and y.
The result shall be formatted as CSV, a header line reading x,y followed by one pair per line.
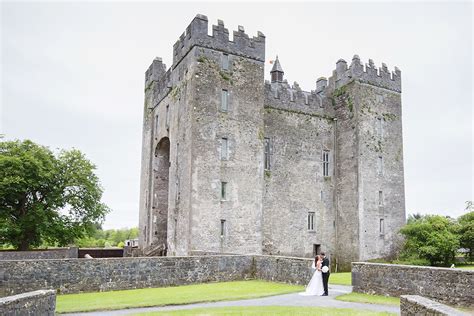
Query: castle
x,y
232,163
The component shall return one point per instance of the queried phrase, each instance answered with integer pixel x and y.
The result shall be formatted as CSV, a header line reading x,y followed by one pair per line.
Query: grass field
x,y
467,267
342,278
270,310
367,298
186,294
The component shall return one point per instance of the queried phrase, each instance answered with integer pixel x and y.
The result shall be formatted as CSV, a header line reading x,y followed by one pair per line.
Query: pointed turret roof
x,y
276,66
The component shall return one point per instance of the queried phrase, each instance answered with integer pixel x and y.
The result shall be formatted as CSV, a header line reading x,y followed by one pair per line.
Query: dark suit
x,y
325,275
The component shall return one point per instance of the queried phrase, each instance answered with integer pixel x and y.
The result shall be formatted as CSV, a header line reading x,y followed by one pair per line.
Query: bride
x,y
315,286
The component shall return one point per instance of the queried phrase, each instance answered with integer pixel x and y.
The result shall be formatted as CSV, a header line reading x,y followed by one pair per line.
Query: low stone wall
x,y
42,302
88,275
446,285
101,252
283,269
417,305
57,253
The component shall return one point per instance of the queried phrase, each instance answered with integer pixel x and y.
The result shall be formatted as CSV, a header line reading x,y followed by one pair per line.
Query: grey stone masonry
x,y
196,35
412,305
59,253
41,302
91,275
450,286
232,163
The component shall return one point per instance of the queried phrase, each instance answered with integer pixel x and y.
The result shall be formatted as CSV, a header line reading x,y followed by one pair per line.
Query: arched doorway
x,y
161,165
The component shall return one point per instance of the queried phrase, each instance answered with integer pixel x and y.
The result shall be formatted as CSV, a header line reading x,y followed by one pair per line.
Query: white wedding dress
x,y
315,285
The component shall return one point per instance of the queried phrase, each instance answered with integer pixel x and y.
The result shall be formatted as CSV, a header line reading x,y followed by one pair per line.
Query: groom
x,y
325,274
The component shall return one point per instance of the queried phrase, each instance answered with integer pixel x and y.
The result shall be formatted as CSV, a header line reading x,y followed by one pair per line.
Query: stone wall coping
x,y
431,306
283,257
39,293
38,250
167,258
134,258
413,266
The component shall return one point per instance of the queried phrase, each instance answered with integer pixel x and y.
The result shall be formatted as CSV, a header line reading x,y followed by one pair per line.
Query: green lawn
x,y
468,267
186,294
342,278
368,298
271,310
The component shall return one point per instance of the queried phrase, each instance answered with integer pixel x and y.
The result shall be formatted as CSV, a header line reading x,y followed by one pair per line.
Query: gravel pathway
x,y
293,299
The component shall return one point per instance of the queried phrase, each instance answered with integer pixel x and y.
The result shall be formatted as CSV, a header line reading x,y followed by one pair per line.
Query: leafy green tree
x,y
466,230
46,198
431,237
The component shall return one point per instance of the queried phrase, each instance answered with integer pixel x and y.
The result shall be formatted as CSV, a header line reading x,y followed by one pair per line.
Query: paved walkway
x,y
279,300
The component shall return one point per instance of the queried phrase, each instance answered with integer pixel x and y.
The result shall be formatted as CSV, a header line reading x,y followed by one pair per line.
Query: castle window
x,y
306,100
156,124
223,227
381,227
292,96
268,153
380,198
224,149
224,100
326,163
168,117
322,196
380,165
310,220
225,61
379,127
223,191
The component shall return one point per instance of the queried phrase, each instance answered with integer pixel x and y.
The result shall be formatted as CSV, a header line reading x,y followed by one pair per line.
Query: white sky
x,y
72,75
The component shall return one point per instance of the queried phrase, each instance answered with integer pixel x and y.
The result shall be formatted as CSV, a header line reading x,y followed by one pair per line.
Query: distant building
x,y
131,242
235,164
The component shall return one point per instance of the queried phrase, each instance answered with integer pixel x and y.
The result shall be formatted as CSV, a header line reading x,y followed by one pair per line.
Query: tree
x,y
46,198
431,237
466,230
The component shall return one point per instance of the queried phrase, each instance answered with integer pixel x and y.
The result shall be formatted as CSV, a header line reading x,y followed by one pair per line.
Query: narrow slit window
x,y
326,163
225,100
223,191
268,151
167,117
381,226
311,221
380,198
379,127
380,165
224,148
225,61
223,227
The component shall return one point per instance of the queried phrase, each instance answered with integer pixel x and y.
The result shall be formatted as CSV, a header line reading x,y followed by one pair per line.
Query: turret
x,y
277,72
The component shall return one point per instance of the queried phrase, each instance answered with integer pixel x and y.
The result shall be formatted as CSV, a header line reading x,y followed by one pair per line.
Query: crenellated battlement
x,y
196,35
158,74
284,96
369,74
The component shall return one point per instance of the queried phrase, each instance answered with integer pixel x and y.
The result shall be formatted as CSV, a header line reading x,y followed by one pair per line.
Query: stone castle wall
x,y
446,285
107,274
91,275
59,253
41,302
419,305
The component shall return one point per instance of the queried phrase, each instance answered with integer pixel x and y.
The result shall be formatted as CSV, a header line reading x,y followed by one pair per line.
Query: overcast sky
x,y
72,75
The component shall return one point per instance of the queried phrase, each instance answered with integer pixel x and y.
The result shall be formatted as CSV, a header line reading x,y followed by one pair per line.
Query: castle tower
x,y
202,157
370,201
